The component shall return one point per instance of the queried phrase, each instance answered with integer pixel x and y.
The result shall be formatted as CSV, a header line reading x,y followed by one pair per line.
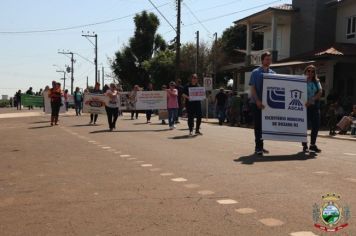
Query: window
x,y
351,27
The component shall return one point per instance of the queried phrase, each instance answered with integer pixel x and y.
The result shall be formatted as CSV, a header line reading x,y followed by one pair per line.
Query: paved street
x,y
75,179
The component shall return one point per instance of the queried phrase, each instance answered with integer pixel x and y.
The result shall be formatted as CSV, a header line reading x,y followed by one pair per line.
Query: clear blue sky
x,y
28,59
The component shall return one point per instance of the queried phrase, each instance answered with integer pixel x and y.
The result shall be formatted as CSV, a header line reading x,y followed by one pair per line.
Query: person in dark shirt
x,y
220,100
30,92
96,90
149,112
18,100
193,107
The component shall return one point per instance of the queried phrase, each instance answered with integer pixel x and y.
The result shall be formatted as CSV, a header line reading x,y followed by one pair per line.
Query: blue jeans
x,y
220,110
172,116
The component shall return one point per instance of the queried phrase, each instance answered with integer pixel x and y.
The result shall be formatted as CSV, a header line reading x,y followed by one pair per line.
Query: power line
x,y
191,12
162,15
77,26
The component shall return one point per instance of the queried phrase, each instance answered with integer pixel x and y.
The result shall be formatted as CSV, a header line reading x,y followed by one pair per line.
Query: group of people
x,y
17,100
228,106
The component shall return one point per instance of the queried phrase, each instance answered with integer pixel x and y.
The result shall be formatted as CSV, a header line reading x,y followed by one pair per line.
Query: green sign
x,y
30,100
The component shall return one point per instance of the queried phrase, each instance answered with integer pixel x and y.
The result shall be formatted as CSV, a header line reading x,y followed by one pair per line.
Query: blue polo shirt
x,y
256,80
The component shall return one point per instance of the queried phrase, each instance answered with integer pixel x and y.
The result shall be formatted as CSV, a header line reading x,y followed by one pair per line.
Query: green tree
x,y
128,63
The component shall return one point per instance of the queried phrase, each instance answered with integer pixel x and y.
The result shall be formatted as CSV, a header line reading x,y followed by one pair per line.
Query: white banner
x,y
95,103
196,93
284,117
151,100
125,104
47,104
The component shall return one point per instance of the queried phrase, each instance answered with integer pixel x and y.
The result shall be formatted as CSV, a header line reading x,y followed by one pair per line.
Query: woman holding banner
x,y
112,107
314,91
55,94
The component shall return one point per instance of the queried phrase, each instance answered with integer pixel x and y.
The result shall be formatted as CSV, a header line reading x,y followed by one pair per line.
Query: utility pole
x,y
72,68
197,56
98,73
102,75
64,78
214,60
93,35
87,81
178,38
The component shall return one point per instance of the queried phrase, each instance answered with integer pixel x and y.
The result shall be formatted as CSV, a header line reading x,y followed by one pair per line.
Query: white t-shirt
x,y
113,101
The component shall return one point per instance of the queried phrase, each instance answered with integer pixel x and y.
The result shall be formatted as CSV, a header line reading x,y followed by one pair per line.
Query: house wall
x,y
343,12
283,40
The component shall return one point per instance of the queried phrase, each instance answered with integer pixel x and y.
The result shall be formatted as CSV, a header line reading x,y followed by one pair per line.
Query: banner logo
x,y
276,97
331,214
296,103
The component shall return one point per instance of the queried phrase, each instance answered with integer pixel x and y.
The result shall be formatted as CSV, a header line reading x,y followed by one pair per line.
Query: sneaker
x,y
191,133
314,148
259,152
265,151
305,149
171,127
198,133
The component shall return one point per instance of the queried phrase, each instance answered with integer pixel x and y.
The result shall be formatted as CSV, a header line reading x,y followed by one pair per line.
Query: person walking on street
x,y
220,100
193,107
55,94
18,100
30,92
78,100
314,91
96,90
133,100
256,84
66,99
172,104
149,112
112,108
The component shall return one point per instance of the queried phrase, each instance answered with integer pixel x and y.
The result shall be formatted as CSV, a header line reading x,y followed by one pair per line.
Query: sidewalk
x,y
322,134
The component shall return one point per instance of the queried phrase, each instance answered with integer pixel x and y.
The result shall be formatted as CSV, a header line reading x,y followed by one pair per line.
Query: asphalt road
x,y
76,179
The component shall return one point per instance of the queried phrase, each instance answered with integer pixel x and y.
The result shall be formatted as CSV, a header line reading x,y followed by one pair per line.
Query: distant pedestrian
x,y
164,112
96,90
18,100
220,101
180,90
193,107
149,112
172,104
256,83
78,100
55,94
65,95
314,92
133,100
112,108
30,92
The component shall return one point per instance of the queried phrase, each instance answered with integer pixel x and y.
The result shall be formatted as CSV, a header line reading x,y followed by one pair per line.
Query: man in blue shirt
x,y
256,84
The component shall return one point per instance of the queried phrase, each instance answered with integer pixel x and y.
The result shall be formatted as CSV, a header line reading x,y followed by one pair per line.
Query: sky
x,y
31,59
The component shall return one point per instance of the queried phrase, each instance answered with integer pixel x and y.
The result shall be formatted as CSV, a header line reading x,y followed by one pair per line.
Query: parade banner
x,y
95,103
284,117
31,100
151,100
125,104
197,93
70,100
47,104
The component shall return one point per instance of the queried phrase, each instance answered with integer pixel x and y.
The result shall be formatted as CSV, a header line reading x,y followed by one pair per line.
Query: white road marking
x,y
246,210
349,154
111,150
91,141
125,155
166,174
146,165
155,169
105,147
96,194
322,173
205,192
132,158
179,180
192,186
303,233
271,222
351,180
226,201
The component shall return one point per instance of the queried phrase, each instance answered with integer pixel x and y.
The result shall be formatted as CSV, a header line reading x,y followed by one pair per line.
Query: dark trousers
x,y
180,112
134,113
113,114
194,111
221,112
78,107
55,106
257,117
313,116
148,115
93,117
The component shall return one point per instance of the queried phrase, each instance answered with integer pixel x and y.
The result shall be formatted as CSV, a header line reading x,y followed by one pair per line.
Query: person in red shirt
x,y
55,94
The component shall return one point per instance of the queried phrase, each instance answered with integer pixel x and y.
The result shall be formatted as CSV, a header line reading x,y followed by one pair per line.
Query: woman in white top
x,y
112,107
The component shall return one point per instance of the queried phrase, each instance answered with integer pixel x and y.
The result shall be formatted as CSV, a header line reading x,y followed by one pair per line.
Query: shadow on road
x,y
127,131
41,127
183,137
85,125
41,122
251,159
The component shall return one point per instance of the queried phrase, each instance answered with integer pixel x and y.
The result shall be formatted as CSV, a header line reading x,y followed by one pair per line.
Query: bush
x,y
4,103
